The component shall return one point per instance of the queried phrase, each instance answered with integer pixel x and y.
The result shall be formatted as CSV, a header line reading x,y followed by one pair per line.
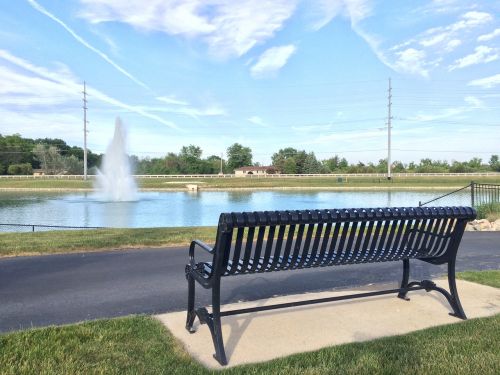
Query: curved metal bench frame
x,y
256,242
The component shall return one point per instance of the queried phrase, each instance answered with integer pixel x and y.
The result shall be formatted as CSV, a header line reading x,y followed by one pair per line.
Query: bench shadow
x,y
240,323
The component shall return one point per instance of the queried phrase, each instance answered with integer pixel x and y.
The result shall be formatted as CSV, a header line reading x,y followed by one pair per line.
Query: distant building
x,y
257,171
38,172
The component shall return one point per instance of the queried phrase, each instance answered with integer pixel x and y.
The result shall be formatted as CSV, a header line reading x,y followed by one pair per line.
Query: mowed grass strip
x,y
274,182
52,242
141,345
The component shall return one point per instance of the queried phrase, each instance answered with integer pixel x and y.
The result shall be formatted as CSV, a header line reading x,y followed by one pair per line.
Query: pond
x,y
172,209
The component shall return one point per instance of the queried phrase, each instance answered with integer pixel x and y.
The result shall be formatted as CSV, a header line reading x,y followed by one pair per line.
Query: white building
x,y
256,171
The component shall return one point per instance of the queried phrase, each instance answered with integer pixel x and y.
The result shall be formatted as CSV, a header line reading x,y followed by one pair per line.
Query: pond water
x,y
172,209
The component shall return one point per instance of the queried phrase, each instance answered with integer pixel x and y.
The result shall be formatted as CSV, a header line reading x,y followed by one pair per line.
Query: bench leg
x,y
406,277
191,313
220,354
458,311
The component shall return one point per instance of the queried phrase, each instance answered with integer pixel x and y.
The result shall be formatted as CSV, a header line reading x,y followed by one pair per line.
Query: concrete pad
x,y
265,335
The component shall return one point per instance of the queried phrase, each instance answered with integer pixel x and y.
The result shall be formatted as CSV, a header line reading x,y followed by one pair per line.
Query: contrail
x,y
42,10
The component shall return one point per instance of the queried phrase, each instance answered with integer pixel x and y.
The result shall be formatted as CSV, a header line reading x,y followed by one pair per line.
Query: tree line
x,y
20,156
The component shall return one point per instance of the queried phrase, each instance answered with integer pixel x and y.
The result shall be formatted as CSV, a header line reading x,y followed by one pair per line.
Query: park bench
x,y
256,242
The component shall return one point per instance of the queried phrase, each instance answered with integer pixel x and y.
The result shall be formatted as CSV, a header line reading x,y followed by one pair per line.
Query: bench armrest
x,y
200,244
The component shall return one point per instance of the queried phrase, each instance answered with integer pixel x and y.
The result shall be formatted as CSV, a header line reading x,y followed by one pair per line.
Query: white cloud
x,y
412,61
58,87
487,82
230,28
326,10
257,121
420,54
452,44
82,41
272,60
473,104
443,35
183,107
481,55
487,37
171,100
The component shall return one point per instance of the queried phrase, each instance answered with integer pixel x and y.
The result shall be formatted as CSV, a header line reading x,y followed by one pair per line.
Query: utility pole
x,y
221,155
84,131
389,118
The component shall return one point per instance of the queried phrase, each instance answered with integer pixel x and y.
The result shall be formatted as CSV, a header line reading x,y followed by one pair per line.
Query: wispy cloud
x,y
37,86
420,54
486,82
230,28
171,100
326,10
473,103
412,60
182,107
481,55
86,44
272,60
257,121
488,37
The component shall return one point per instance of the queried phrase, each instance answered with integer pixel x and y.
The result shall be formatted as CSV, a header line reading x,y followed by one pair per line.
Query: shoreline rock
x,y
483,225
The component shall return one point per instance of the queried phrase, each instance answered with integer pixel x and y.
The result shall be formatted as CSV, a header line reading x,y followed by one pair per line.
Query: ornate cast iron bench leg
x,y
451,296
458,311
406,277
220,354
214,324
191,313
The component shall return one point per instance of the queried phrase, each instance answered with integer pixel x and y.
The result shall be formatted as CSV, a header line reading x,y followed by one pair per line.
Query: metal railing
x,y
474,194
39,228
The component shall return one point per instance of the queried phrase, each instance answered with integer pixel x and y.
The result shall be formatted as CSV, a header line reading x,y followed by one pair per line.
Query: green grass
x,y
490,211
491,278
51,242
224,183
141,345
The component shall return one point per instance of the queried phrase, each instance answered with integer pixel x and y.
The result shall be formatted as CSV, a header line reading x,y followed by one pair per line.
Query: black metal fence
x,y
39,228
474,195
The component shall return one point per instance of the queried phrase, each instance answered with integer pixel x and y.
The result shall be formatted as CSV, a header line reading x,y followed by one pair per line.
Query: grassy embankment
x,y
263,183
52,242
141,345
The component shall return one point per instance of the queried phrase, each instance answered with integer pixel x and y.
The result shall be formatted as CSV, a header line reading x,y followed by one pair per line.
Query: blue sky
x,y
268,74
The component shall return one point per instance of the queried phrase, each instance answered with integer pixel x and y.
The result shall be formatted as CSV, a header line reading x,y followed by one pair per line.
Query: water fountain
x,y
114,182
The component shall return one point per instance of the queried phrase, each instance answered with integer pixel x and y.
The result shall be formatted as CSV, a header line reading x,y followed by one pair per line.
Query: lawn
x,y
141,345
52,242
237,183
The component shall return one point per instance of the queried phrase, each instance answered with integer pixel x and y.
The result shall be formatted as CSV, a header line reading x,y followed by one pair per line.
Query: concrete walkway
x,y
262,336
67,288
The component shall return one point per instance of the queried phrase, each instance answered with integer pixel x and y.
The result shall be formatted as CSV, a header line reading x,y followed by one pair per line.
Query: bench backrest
x,y
249,242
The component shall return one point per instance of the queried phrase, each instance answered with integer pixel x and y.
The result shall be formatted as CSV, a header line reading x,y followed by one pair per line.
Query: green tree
x,y
190,159
238,156
279,160
494,163
311,164
20,169
289,166
50,160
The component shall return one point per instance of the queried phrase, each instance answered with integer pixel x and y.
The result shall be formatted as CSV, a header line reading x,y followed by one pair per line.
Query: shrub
x,y
24,168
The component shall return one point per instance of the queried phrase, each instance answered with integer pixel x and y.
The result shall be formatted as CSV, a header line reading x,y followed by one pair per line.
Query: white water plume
x,y
115,181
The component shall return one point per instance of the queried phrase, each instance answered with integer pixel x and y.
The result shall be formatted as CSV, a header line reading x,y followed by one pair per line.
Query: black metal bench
x,y
255,242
